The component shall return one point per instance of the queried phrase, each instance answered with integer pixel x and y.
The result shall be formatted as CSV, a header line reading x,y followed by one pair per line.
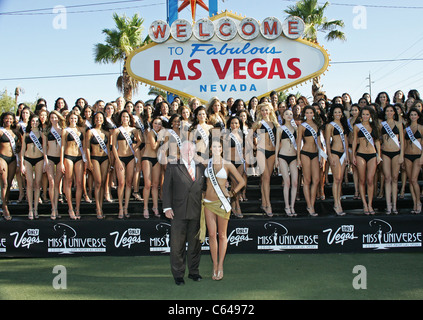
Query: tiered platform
x,y
255,233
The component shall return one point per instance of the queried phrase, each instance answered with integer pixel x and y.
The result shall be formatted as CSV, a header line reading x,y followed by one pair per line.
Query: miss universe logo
x,y
384,238
279,239
67,241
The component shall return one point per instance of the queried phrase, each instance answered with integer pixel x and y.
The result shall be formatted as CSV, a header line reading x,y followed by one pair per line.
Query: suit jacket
x,y
181,193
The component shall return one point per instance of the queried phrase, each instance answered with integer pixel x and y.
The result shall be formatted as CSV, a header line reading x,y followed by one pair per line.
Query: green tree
x,y
315,21
119,44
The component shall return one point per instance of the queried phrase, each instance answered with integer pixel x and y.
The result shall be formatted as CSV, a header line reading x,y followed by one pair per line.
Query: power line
x,y
63,76
368,5
380,60
71,6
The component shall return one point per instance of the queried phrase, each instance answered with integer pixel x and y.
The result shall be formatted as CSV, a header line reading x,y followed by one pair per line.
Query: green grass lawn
x,y
247,276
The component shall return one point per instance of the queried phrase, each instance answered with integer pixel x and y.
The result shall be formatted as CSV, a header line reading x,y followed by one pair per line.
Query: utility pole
x,y
370,85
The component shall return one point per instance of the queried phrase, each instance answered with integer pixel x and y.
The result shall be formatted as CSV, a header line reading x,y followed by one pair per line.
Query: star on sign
x,y
193,4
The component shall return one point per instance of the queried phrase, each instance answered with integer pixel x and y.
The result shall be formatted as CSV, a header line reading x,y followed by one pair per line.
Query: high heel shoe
x,y
146,214
31,214
36,214
120,215
288,211
156,212
100,215
53,214
342,213
125,213
6,213
264,208
312,214
71,214
237,213
293,213
77,215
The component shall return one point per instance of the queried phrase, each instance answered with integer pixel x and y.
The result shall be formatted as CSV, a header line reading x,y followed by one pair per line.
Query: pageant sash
x,y
203,135
290,136
225,202
390,133
341,134
11,140
314,134
128,140
36,141
269,131
78,142
238,146
100,141
56,135
176,137
413,138
366,133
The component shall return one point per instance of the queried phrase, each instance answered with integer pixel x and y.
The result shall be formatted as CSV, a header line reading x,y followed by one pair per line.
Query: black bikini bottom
x,y
126,160
55,160
311,155
288,159
391,154
152,160
267,153
412,157
33,161
74,159
366,156
8,160
100,159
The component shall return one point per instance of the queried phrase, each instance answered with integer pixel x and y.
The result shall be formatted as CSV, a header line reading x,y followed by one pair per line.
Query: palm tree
x,y
315,21
119,44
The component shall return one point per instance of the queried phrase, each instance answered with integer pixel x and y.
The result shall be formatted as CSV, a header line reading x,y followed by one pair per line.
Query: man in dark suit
x,y
182,194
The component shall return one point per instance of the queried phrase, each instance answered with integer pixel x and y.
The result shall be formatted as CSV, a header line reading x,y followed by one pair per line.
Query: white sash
x,y
390,133
78,142
128,140
341,134
88,124
314,134
290,136
203,135
366,133
280,119
293,123
138,121
9,136
225,202
413,138
36,141
100,141
23,125
349,125
238,146
176,137
56,135
111,123
269,131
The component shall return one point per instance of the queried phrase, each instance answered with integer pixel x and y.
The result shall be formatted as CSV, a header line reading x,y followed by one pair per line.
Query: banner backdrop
x,y
132,237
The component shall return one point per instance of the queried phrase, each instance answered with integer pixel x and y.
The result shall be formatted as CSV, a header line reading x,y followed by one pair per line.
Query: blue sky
x,y
33,47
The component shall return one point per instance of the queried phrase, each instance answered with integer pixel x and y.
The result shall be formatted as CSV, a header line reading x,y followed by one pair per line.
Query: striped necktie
x,y
191,172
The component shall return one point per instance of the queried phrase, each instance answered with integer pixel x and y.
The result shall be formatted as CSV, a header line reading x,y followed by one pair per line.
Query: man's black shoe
x,y
195,277
179,281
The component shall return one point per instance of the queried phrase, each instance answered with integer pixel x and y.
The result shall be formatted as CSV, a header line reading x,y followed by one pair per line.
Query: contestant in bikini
x,y
217,172
72,161
151,168
125,146
98,158
109,112
311,156
336,132
392,142
199,133
234,151
413,156
354,111
173,139
21,126
52,144
9,147
142,128
366,155
265,129
32,163
286,153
